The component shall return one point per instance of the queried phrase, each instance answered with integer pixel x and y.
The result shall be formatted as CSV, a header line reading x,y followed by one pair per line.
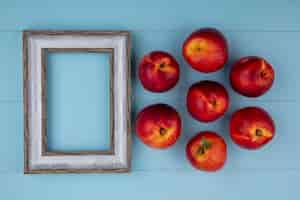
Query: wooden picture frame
x,y
37,158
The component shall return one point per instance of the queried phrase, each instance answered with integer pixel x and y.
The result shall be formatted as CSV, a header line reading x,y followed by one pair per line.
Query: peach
x,y
206,50
207,101
158,126
251,76
158,71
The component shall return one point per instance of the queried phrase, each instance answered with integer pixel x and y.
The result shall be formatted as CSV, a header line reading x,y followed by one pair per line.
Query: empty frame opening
x,y
78,99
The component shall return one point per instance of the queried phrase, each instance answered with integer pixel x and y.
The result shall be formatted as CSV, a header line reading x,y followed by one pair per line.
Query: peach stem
x,y
162,131
205,145
258,132
162,65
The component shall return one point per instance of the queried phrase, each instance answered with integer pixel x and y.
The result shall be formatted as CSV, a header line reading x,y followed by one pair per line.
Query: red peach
x,y
207,101
206,50
158,126
251,76
158,71
207,151
251,128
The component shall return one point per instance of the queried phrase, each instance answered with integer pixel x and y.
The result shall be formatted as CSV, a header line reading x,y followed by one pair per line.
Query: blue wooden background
x,y
77,99
266,28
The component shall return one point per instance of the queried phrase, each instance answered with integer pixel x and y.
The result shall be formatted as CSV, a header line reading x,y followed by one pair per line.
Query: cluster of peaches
x,y
206,51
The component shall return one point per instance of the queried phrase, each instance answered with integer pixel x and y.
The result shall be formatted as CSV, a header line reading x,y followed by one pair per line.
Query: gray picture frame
x,y
37,158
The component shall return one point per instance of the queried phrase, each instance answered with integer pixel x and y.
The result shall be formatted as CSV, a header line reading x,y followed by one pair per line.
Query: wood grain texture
x,y
76,32
44,100
112,102
264,28
83,50
144,15
25,94
76,171
44,51
129,95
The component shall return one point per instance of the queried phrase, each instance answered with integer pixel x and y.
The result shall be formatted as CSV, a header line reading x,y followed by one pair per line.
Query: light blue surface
x,y
266,28
78,101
